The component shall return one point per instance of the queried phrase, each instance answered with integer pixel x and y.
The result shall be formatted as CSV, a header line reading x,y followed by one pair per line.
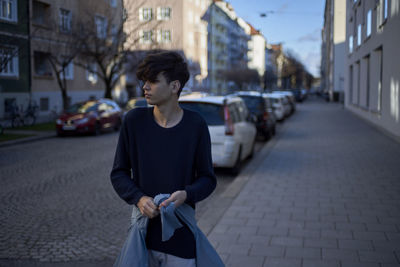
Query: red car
x,y
93,116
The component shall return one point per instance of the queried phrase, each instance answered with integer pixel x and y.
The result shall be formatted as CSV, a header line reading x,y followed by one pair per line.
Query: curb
x,y
39,136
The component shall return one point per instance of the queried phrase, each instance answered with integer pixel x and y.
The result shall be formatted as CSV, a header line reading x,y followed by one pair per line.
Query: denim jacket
x,y
134,252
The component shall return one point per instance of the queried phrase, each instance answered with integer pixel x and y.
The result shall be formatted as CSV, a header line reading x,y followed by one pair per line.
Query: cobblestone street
x,y
58,205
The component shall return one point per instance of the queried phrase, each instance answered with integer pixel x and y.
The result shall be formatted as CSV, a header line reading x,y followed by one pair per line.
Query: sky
x,y
296,24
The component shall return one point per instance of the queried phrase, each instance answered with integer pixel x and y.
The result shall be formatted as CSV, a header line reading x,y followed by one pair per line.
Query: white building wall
x,y
372,77
257,54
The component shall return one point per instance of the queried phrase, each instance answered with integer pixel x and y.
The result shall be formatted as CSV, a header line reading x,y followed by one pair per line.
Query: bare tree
x,y
242,77
270,78
107,42
294,73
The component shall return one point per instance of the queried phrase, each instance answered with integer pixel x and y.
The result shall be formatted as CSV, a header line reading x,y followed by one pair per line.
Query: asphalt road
x,y
57,204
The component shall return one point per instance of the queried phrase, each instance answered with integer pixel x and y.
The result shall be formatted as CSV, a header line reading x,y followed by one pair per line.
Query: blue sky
x,y
295,23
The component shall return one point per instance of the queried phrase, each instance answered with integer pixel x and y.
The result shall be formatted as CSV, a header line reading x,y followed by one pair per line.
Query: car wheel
x,y
97,129
238,163
267,135
117,126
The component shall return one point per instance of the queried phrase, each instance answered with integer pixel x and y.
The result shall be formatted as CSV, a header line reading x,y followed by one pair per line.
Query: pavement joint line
x,y
233,190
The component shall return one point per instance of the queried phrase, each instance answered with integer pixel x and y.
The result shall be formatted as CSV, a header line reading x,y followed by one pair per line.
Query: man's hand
x,y
147,207
177,197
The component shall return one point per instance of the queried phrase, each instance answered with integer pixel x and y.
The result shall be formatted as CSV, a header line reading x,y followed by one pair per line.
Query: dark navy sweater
x,y
150,160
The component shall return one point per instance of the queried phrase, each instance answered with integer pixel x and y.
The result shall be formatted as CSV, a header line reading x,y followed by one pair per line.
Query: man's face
x,y
159,91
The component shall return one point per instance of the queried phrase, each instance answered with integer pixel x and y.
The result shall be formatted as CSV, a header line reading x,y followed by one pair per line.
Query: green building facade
x,y
14,54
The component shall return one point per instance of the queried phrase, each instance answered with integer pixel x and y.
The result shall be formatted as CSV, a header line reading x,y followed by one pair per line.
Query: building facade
x,y
256,54
176,25
54,27
14,55
333,49
228,47
372,80
40,36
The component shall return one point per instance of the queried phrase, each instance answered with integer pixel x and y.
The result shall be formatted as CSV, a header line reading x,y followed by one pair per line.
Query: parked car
x,y
291,99
93,116
298,95
134,103
260,107
277,105
232,132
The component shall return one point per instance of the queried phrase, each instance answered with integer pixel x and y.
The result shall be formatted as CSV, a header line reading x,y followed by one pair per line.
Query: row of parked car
x,y
234,120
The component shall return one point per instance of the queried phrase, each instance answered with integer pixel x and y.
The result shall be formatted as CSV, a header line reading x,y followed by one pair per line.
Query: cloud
x,y
314,36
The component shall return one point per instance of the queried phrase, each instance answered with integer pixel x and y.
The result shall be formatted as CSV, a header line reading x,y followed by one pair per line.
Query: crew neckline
x,y
166,128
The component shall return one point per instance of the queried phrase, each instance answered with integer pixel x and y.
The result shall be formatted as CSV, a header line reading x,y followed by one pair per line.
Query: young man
x,y
164,149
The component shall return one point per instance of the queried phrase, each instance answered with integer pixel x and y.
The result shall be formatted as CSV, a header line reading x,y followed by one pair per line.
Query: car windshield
x,y
82,107
253,103
274,100
136,103
213,114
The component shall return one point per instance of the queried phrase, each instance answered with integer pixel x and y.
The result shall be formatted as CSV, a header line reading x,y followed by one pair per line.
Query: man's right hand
x,y
147,207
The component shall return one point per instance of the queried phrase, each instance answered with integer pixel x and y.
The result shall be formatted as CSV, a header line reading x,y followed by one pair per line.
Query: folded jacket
x,y
134,252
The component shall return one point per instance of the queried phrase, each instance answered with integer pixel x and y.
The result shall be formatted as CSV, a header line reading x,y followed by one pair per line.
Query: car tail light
x,y
229,129
265,116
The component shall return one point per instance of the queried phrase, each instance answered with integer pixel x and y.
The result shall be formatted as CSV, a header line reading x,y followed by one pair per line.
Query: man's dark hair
x,y
171,64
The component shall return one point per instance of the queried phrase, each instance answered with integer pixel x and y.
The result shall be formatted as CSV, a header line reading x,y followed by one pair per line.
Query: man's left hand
x,y
177,197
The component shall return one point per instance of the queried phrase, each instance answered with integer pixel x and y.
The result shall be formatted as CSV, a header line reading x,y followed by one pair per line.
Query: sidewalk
x,y
327,194
37,135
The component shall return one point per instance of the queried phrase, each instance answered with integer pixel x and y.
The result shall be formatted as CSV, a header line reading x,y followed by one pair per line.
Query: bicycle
x,y
19,117
16,117
30,114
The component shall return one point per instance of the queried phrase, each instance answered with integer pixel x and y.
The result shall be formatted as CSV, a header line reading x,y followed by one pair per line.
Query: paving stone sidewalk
x,y
327,194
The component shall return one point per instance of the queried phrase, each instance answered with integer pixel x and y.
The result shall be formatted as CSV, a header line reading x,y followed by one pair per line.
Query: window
x,y
42,65
351,41
91,72
65,20
146,37
113,3
101,26
44,104
382,12
41,13
8,10
369,22
385,9
114,33
351,84
68,71
9,61
163,13
9,104
367,63
359,35
145,14
164,36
